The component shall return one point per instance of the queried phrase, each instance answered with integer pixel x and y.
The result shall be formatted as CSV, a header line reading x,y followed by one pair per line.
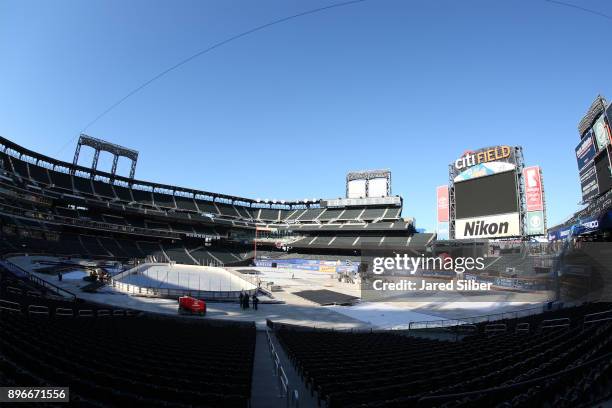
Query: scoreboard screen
x,y
490,195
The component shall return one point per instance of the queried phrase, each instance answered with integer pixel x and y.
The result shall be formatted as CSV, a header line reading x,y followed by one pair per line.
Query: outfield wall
x,y
310,265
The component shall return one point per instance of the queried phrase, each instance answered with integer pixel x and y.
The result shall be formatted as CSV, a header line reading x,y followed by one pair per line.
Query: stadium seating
x,y
317,256
294,215
331,214
228,210
114,357
351,214
61,180
53,207
164,200
310,214
137,361
244,212
20,167
207,207
185,203
142,197
269,215
392,214
39,174
386,369
104,189
124,194
83,185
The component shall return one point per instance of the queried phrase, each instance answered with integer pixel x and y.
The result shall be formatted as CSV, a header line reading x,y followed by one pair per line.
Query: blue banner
x,y
585,151
310,265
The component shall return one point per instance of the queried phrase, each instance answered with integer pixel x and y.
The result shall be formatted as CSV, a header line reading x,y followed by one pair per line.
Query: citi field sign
x,y
489,154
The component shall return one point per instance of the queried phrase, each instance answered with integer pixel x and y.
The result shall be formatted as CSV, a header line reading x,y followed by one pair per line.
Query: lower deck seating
x,y
116,358
393,370
179,255
130,361
217,255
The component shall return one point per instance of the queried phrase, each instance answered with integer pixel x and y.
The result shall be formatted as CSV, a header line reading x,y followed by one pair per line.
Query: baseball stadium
x,y
117,290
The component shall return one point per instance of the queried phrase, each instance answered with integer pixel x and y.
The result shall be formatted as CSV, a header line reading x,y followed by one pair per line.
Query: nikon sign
x,y
493,226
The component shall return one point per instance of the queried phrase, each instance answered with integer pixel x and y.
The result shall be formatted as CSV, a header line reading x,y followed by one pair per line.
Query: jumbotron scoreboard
x,y
594,152
491,194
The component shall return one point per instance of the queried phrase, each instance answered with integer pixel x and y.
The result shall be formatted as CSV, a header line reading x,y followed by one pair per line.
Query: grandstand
x,y
537,363
50,206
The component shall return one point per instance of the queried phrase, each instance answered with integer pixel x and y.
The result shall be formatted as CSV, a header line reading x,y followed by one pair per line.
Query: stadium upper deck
x,y
61,202
61,178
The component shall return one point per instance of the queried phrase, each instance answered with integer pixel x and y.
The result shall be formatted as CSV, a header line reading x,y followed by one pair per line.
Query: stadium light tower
x,y
101,145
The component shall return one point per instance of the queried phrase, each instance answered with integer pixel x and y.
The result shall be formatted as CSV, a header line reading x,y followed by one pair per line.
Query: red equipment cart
x,y
188,304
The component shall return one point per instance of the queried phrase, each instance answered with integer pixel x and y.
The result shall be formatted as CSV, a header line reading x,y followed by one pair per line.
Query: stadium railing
x,y
436,324
17,270
598,317
175,293
293,397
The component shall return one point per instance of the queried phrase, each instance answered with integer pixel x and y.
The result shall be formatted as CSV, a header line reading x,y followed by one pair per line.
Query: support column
x,y
115,160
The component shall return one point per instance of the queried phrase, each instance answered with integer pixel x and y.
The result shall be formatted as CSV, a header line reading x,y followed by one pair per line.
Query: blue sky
x,y
286,112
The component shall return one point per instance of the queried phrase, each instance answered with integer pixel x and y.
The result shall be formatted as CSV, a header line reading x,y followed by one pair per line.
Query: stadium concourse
x,y
93,263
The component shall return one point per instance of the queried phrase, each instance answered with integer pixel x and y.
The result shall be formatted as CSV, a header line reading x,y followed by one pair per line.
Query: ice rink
x,y
186,277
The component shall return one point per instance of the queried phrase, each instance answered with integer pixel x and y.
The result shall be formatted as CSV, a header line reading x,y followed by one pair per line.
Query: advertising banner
x,y
442,197
586,150
603,170
442,231
602,133
535,222
559,234
533,188
585,225
493,226
588,182
588,225
310,265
